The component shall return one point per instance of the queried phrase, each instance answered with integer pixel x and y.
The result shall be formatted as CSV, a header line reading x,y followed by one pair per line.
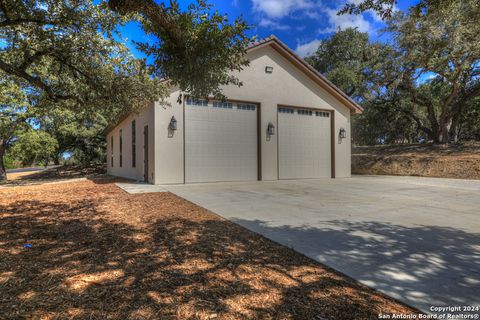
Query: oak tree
x,y
66,54
440,40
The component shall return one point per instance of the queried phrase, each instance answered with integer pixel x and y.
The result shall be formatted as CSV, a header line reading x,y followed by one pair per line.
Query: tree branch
x,y
473,93
19,21
432,117
156,13
417,120
72,67
29,60
36,81
35,17
3,8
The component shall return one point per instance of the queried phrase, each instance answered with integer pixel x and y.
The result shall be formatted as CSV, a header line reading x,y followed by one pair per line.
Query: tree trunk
x,y
454,131
3,172
56,159
443,138
440,129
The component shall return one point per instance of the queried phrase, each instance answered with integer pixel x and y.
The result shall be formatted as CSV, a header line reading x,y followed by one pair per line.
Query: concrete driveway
x,y
415,239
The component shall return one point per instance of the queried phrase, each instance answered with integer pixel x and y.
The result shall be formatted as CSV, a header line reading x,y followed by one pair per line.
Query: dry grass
x,y
454,161
53,175
99,253
21,175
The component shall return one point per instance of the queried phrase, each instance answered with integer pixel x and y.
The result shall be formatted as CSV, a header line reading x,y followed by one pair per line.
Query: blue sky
x,y
301,24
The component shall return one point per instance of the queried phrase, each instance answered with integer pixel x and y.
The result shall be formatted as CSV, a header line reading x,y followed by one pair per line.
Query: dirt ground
x,y
100,253
56,174
454,161
21,175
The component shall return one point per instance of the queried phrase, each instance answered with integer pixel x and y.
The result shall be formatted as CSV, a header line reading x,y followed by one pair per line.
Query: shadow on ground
x,y
99,253
408,263
56,174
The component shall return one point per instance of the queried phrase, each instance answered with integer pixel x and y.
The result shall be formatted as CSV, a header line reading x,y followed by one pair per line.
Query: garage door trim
x,y
259,134
332,135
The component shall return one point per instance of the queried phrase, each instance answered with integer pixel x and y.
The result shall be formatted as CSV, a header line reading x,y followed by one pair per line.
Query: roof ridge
x,y
273,38
256,43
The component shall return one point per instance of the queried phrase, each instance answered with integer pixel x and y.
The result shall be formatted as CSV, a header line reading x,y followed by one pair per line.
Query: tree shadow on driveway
x,y
422,266
98,253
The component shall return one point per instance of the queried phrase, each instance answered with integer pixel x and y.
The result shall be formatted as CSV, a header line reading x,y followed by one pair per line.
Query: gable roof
x,y
313,74
291,56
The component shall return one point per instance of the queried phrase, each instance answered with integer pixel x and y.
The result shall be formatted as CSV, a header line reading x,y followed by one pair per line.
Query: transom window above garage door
x,y
324,114
286,110
197,102
305,112
243,106
225,105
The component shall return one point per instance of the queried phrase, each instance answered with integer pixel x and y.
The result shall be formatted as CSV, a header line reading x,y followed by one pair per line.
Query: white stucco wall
x,y
169,144
286,85
143,118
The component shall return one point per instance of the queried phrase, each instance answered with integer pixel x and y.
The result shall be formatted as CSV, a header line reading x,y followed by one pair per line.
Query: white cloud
x,y
277,9
273,25
300,28
271,12
345,21
313,14
306,49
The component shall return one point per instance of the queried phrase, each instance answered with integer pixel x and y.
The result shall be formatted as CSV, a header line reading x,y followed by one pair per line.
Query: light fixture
x,y
270,129
173,124
343,133
269,69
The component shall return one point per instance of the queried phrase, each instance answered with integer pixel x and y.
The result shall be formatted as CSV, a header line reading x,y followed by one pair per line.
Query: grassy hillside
x,y
454,161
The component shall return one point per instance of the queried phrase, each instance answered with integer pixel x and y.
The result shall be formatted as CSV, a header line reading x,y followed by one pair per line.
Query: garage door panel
x,y
220,143
304,144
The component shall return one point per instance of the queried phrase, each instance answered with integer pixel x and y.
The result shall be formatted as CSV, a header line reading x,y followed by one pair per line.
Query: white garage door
x,y
220,141
304,143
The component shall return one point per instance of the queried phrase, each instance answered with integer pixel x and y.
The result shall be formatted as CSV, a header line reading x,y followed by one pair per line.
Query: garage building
x,y
286,122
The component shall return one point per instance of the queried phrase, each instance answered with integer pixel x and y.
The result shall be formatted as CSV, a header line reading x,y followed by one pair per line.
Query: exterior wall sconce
x,y
343,133
270,129
268,69
173,124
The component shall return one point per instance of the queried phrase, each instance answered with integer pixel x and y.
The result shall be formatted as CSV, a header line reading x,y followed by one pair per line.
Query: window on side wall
x,y
134,142
121,148
111,151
